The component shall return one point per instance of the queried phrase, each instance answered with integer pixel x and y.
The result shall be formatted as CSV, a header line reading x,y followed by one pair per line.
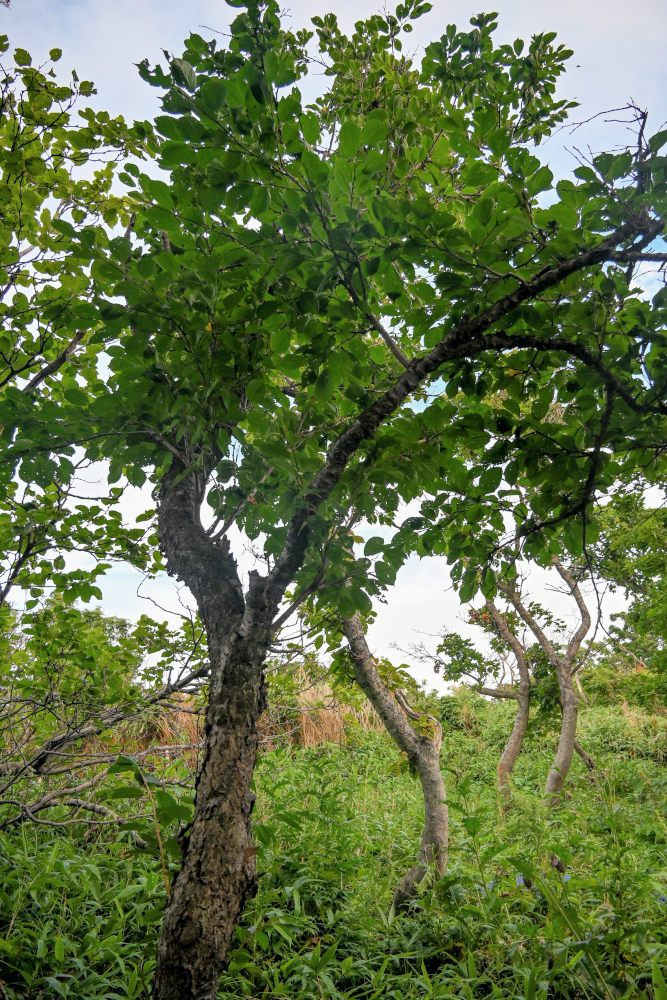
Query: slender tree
x,y
419,736
458,659
563,662
507,676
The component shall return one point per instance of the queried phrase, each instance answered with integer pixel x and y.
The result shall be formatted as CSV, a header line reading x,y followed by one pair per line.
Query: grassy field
x,y
337,824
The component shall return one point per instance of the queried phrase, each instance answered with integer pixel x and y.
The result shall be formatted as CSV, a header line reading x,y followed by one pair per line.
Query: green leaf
x,y
281,340
659,985
310,128
374,132
184,73
123,763
59,950
124,791
56,985
541,180
349,140
374,545
657,141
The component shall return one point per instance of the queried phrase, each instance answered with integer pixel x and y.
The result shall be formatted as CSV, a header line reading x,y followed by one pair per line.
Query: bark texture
x,y
218,873
423,752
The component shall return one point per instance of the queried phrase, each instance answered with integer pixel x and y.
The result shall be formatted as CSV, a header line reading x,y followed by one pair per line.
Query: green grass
x,y
337,826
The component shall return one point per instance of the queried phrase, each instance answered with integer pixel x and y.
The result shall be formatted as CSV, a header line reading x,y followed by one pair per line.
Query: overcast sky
x,y
618,46
619,55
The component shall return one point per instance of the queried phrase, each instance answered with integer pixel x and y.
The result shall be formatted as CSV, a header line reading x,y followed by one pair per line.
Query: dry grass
x,y
318,717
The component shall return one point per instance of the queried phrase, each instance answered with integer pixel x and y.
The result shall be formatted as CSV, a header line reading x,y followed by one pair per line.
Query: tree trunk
x,y
423,753
563,666
568,731
513,746
515,742
218,873
586,757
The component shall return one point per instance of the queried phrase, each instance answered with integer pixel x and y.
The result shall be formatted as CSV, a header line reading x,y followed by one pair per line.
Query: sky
x,y
618,57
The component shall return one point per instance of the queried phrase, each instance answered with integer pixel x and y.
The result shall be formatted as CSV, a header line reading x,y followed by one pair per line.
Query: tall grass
x,y
337,822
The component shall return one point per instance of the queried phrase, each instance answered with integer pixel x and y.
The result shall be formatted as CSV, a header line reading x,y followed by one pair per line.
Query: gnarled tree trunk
x,y
563,666
218,873
423,753
568,731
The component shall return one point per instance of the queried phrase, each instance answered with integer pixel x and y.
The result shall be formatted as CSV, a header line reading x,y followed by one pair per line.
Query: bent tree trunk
x,y
513,746
559,770
563,666
423,753
218,873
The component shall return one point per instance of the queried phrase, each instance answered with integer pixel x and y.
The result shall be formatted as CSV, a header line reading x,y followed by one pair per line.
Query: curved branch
x,y
530,620
585,624
467,339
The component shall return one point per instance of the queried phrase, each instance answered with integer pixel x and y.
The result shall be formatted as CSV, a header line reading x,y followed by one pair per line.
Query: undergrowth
x,y
536,906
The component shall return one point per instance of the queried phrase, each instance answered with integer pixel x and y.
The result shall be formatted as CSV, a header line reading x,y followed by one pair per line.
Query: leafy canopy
x,y
324,310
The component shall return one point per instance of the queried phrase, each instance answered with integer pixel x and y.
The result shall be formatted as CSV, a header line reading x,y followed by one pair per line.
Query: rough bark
x,y
218,873
423,753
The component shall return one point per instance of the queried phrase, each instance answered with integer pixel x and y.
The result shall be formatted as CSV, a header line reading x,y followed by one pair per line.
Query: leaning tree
x,y
285,323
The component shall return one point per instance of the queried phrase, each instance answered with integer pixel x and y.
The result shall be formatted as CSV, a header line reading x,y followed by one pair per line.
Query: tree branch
x,y
52,367
585,624
467,339
377,326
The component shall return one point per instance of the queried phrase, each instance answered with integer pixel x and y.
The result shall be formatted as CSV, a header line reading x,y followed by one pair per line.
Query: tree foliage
x,y
56,170
309,264
630,556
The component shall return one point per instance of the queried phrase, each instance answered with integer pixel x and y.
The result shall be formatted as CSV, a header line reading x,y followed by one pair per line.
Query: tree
x,y
275,312
563,662
55,174
630,555
458,658
518,669
419,736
